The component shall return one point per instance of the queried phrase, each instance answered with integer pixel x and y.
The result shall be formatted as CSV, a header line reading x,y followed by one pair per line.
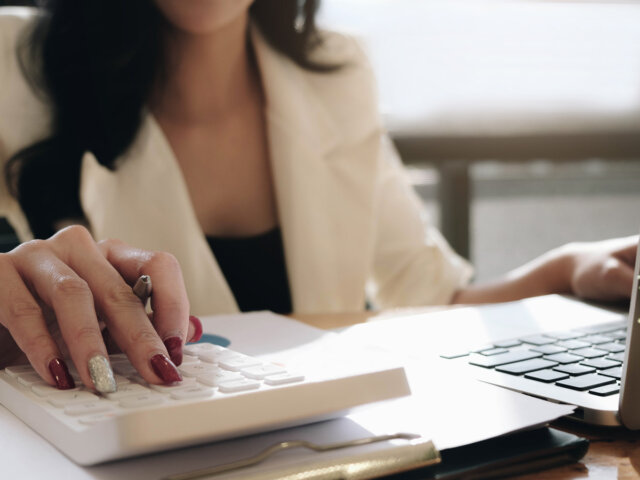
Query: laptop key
x,y
451,355
564,335
606,390
612,347
502,358
615,372
589,352
617,357
596,339
617,335
526,366
563,358
585,382
546,376
537,340
482,348
600,363
574,369
548,349
493,351
507,343
573,344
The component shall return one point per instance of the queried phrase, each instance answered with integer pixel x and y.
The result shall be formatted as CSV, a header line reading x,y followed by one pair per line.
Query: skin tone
x,y
210,109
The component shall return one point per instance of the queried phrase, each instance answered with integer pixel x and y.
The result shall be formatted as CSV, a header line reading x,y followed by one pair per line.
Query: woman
x,y
232,135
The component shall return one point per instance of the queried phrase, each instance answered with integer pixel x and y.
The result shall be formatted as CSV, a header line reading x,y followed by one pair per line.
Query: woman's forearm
x,y
549,273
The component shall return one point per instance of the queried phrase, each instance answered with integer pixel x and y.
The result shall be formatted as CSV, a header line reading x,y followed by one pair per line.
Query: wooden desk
x,y
613,453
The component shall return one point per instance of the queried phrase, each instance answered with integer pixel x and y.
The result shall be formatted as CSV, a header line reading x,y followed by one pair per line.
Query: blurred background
x,y
519,119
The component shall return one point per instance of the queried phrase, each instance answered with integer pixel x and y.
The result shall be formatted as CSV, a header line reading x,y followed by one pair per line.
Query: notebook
x,y
594,367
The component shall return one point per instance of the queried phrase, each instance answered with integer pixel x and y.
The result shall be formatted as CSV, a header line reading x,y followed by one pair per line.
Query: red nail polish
x,y
197,325
166,370
174,347
60,373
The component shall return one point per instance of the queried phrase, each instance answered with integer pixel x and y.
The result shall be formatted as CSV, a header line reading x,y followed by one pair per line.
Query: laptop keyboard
x,y
586,359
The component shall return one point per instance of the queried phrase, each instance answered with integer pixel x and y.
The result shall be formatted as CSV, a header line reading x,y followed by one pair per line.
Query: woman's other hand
x,y
57,293
603,270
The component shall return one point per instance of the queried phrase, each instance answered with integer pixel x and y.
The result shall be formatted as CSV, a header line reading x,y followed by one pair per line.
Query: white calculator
x,y
224,394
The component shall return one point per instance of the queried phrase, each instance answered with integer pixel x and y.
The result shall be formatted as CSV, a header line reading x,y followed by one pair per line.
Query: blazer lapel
x,y
322,199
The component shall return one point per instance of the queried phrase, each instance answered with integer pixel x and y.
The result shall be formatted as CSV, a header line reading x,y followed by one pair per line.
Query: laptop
x,y
595,367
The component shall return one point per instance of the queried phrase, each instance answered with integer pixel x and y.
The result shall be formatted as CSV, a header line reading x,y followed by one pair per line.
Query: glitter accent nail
x,y
101,374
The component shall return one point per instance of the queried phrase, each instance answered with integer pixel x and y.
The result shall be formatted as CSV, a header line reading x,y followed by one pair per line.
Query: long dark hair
x,y
96,61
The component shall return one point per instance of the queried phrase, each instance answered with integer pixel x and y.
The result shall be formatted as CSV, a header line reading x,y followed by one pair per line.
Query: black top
x,y
255,270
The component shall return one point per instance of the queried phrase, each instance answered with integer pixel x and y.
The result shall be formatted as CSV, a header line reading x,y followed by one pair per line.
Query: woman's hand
x,y
56,292
603,270
595,270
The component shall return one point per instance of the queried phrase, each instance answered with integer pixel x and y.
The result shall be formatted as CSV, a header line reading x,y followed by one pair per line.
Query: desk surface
x,y
613,453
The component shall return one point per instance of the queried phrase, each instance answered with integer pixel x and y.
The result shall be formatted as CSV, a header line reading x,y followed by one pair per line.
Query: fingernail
x,y
101,374
60,373
166,370
174,347
197,326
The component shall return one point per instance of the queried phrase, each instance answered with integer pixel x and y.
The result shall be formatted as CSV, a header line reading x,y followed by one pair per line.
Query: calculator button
x,y
124,369
19,370
198,348
239,362
62,399
239,385
121,380
189,359
29,379
136,401
46,390
260,371
215,378
196,369
127,390
78,409
97,418
283,378
585,382
187,382
191,392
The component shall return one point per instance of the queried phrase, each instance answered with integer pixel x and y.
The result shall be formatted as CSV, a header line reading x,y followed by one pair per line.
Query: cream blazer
x,y
352,226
